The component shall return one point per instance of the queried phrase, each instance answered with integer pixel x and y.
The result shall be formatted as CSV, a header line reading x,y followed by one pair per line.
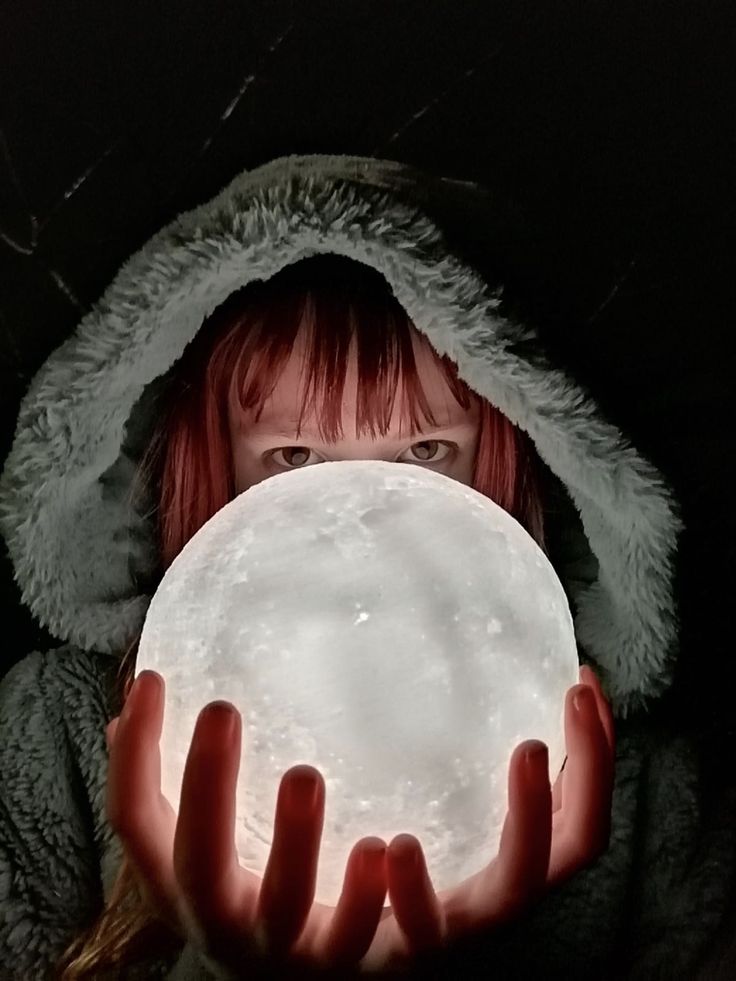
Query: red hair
x,y
244,346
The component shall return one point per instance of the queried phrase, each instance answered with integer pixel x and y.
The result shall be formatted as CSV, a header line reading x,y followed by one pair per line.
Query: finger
x,y
289,881
359,908
519,873
584,828
415,905
589,677
136,809
220,896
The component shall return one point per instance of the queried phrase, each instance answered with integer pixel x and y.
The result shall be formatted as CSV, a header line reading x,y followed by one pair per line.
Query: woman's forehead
x,y
282,408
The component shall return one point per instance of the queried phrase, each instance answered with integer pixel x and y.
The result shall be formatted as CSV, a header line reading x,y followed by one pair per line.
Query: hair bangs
x,y
332,327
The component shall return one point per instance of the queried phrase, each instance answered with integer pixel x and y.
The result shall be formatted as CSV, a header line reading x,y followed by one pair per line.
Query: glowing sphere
x,y
383,623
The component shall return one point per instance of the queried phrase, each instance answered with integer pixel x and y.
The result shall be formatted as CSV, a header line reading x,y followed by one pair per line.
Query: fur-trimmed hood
x,y
84,558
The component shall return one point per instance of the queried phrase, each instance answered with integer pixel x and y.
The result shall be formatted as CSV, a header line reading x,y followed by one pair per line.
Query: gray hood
x,y
84,555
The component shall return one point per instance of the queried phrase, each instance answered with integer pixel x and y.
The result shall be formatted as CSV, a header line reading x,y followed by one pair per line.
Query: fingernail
x,y
135,687
108,735
370,857
224,717
535,754
408,855
127,705
581,699
303,791
589,677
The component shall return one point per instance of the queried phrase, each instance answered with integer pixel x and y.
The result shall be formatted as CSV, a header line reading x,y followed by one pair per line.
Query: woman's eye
x,y
297,456
295,451
430,455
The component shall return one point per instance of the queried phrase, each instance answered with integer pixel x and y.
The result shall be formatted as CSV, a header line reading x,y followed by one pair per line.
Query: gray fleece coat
x,y
84,561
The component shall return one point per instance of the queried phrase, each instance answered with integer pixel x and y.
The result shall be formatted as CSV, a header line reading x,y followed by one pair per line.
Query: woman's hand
x,y
188,867
547,837
206,896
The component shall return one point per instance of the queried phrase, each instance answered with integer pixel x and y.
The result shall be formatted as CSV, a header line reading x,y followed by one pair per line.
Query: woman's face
x,y
271,446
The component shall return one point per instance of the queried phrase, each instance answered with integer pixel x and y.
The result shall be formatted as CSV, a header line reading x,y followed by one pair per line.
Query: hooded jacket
x,y
84,560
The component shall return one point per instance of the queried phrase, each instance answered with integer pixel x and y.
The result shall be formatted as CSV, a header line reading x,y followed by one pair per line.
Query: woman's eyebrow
x,y
312,435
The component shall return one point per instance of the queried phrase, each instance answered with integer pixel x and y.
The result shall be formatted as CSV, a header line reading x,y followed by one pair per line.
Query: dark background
x,y
613,124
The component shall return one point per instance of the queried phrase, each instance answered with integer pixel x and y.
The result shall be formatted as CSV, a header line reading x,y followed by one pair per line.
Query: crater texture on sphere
x,y
384,623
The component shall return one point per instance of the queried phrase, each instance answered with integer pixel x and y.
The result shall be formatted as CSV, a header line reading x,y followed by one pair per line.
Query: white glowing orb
x,y
384,623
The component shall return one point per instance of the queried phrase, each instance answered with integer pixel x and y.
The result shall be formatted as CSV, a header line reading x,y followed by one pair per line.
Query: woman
x,y
140,392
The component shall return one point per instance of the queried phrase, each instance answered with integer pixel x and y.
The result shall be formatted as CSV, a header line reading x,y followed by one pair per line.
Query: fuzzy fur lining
x,y
78,549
